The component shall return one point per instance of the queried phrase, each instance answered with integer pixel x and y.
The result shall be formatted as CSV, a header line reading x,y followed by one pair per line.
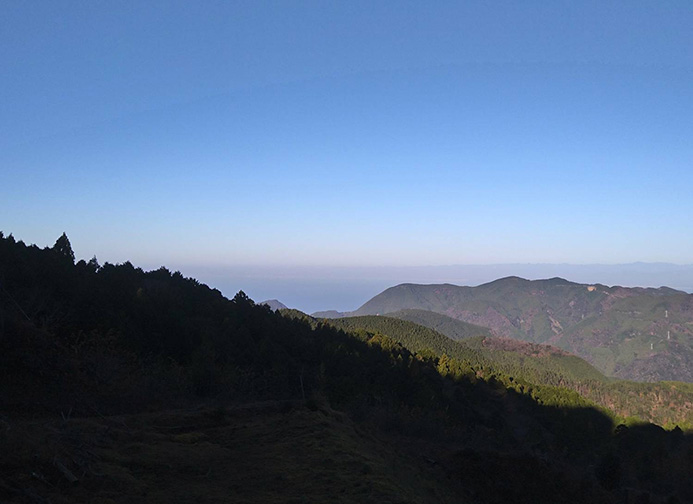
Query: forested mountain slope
x,y
120,385
633,333
450,327
541,364
665,403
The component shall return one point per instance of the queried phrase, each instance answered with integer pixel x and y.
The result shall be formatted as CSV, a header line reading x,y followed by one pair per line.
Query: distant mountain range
x,y
330,314
319,288
633,333
274,304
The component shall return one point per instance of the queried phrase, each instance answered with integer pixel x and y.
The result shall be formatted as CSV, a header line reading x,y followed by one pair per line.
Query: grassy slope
x,y
265,452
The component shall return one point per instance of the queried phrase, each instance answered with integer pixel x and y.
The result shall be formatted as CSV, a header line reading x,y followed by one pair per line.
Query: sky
x,y
361,134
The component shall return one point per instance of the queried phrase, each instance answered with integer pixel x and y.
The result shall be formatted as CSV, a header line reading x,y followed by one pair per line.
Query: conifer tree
x,y
62,246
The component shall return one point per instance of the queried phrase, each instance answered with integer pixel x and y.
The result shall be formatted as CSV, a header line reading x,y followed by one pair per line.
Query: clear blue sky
x,y
349,133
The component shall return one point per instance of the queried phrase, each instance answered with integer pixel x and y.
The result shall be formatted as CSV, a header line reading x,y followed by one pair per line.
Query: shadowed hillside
x,y
532,366
120,385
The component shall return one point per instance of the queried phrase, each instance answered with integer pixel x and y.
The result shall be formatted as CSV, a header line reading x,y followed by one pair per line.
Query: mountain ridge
x,y
630,332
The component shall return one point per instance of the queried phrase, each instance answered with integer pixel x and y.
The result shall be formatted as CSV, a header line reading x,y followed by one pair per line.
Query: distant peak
x,y
274,304
520,280
557,280
508,280
513,278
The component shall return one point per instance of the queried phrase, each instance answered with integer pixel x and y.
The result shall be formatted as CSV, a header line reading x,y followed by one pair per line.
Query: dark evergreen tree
x,y
62,246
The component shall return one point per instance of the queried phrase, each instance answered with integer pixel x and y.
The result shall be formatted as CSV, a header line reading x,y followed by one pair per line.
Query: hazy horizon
x,y
312,289
345,288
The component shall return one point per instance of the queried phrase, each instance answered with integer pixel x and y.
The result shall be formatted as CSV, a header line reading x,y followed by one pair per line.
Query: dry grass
x,y
265,452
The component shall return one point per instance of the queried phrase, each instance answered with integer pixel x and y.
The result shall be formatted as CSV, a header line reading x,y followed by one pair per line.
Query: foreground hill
x,y
120,385
450,327
265,452
541,364
633,333
665,403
